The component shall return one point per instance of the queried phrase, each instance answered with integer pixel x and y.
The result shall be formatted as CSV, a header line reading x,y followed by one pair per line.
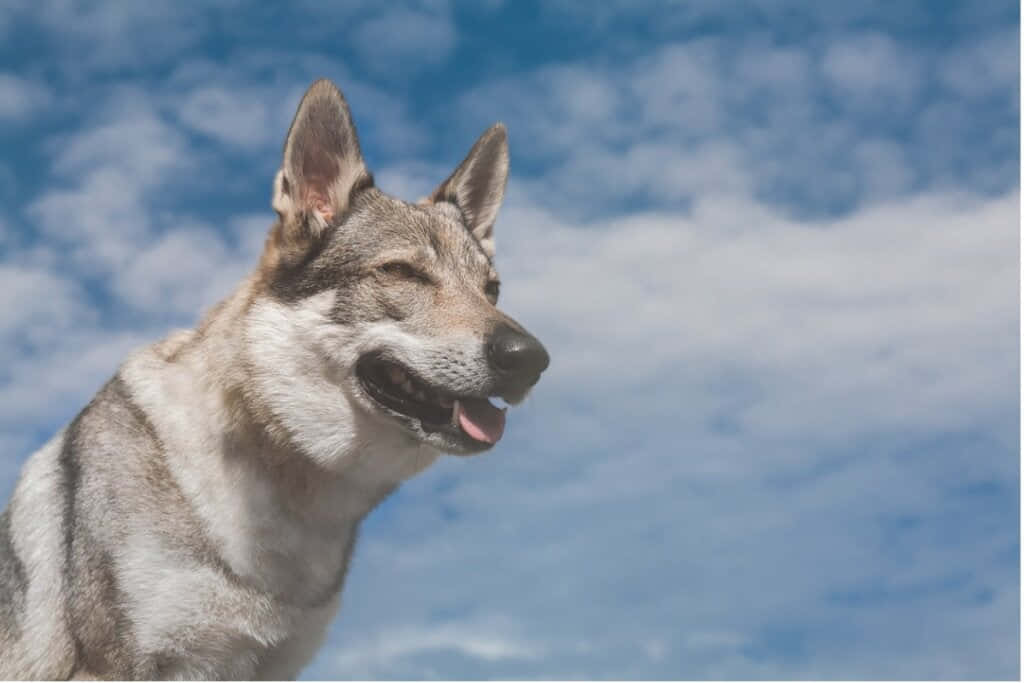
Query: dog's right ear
x,y
322,164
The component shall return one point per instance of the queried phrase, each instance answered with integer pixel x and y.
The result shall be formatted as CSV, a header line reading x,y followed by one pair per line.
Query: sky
x,y
771,246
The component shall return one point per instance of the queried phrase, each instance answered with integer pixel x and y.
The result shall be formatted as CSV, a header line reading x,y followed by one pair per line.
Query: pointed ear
x,y
478,185
322,162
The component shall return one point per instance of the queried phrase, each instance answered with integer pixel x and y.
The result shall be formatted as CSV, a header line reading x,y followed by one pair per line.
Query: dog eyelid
x,y
404,270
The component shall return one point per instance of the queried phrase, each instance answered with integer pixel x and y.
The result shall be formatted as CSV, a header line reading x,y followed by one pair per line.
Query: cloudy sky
x,y
773,250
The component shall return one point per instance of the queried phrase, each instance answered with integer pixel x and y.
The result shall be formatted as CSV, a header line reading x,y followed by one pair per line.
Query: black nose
x,y
517,353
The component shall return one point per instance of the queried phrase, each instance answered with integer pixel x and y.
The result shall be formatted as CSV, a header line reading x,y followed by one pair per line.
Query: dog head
x,y
378,314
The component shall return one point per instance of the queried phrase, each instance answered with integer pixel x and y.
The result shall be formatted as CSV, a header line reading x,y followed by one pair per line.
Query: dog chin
x,y
454,444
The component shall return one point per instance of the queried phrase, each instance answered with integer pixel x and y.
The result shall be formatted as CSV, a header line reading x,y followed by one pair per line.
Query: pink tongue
x,y
481,420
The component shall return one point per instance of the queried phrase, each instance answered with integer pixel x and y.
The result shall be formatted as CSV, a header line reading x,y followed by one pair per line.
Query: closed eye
x,y
403,270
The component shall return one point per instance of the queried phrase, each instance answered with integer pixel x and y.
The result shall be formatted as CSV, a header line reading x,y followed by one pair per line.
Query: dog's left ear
x,y
478,185
322,163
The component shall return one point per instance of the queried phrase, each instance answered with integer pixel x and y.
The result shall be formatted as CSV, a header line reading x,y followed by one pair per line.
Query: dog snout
x,y
517,354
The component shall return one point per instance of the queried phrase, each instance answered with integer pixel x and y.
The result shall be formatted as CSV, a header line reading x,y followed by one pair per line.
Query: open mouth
x,y
397,389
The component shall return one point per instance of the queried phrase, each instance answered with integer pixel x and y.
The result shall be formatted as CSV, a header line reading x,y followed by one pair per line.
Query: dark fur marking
x,y
291,281
321,266
118,388
102,634
70,479
161,480
105,646
319,272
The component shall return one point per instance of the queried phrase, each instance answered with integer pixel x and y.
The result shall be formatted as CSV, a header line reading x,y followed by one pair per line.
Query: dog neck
x,y
266,493
296,428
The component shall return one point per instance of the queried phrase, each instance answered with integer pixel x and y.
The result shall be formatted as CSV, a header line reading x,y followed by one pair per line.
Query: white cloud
x,y
46,388
104,217
20,97
773,68
873,66
372,658
184,272
988,65
248,102
117,36
849,311
57,303
236,116
102,213
130,136
552,111
816,129
404,39
679,87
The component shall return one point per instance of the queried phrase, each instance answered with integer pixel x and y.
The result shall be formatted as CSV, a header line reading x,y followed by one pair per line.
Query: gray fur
x,y
13,582
197,518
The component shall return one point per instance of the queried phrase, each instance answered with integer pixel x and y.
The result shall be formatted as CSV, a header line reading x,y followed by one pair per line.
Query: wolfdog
x,y
196,519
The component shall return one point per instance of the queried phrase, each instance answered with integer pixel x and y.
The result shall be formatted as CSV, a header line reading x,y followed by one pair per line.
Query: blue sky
x,y
773,250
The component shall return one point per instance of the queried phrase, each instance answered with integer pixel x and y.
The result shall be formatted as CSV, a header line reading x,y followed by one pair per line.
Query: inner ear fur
x,y
322,164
